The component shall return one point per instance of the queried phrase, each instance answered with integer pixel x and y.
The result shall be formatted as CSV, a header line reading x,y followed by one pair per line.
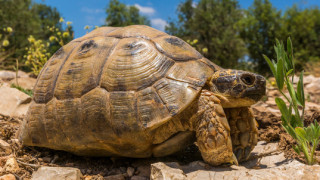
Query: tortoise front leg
x,y
213,131
244,131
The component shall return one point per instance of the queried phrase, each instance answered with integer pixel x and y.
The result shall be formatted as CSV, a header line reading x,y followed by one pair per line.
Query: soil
x,y
271,130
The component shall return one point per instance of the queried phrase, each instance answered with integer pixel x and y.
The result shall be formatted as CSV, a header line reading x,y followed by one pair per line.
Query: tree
x,y
259,29
26,18
119,14
210,26
304,28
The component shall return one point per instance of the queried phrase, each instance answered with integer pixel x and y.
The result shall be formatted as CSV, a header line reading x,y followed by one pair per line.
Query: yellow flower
x,y
58,33
9,29
5,43
205,50
69,23
31,39
65,34
87,27
96,27
195,41
61,19
52,38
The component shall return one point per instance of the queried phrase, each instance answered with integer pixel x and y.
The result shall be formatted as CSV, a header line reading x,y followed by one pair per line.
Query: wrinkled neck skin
x,y
237,88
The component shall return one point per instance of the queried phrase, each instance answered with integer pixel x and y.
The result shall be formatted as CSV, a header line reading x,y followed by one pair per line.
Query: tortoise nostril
x,y
248,79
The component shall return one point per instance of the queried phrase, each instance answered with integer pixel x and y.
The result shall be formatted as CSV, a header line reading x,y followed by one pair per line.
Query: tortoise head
x,y
237,88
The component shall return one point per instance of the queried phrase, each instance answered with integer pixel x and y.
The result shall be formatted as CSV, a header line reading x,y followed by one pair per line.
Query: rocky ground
x,y
272,158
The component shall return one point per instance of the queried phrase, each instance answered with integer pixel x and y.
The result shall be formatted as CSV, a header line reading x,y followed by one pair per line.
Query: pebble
x,y
8,177
139,178
11,165
54,173
5,147
123,169
130,171
47,159
115,177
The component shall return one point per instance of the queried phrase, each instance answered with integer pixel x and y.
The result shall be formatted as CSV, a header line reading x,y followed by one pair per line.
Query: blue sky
x,y
92,12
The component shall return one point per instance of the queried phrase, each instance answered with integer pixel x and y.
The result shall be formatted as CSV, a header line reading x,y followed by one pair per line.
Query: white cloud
x,y
158,23
91,11
145,9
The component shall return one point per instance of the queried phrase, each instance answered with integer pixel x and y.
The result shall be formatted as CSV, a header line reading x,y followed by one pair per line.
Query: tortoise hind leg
x,y
244,131
178,142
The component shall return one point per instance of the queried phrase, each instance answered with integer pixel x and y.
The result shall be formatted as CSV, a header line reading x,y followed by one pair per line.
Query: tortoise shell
x,y
120,80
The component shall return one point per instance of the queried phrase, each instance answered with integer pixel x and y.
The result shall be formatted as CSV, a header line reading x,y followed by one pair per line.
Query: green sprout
x,y
283,70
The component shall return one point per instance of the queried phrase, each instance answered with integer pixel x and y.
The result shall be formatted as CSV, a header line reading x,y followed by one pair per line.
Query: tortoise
x,y
138,92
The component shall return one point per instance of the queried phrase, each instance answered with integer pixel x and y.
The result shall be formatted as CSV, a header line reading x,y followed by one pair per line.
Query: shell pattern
x,y
115,81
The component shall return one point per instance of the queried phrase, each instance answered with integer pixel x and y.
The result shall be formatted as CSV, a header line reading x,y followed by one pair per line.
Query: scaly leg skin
x,y
213,131
244,131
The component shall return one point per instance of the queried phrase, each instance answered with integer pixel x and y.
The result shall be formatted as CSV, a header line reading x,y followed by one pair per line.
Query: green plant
x,y
26,91
37,54
38,51
4,42
283,69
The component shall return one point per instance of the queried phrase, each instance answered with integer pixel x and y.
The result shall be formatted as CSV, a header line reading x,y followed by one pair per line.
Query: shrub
x,y
283,69
38,51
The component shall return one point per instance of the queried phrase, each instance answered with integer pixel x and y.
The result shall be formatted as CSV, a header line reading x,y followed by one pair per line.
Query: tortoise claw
x,y
234,160
238,153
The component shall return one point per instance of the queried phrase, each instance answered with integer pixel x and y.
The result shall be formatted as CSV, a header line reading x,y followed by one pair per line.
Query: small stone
x,y
53,173
47,159
115,177
130,171
144,170
123,169
8,177
11,165
162,171
5,147
139,178
114,171
89,171
55,158
95,177
70,164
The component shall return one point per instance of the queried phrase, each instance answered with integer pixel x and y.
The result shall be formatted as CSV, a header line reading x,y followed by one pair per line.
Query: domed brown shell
x,y
117,80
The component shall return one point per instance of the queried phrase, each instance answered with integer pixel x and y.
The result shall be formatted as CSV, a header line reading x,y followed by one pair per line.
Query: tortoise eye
x,y
248,79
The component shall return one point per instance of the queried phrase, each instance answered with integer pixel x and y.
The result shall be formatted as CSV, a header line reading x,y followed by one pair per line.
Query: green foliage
x,y
259,28
26,18
26,91
213,24
283,70
37,55
4,42
38,50
304,25
119,14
